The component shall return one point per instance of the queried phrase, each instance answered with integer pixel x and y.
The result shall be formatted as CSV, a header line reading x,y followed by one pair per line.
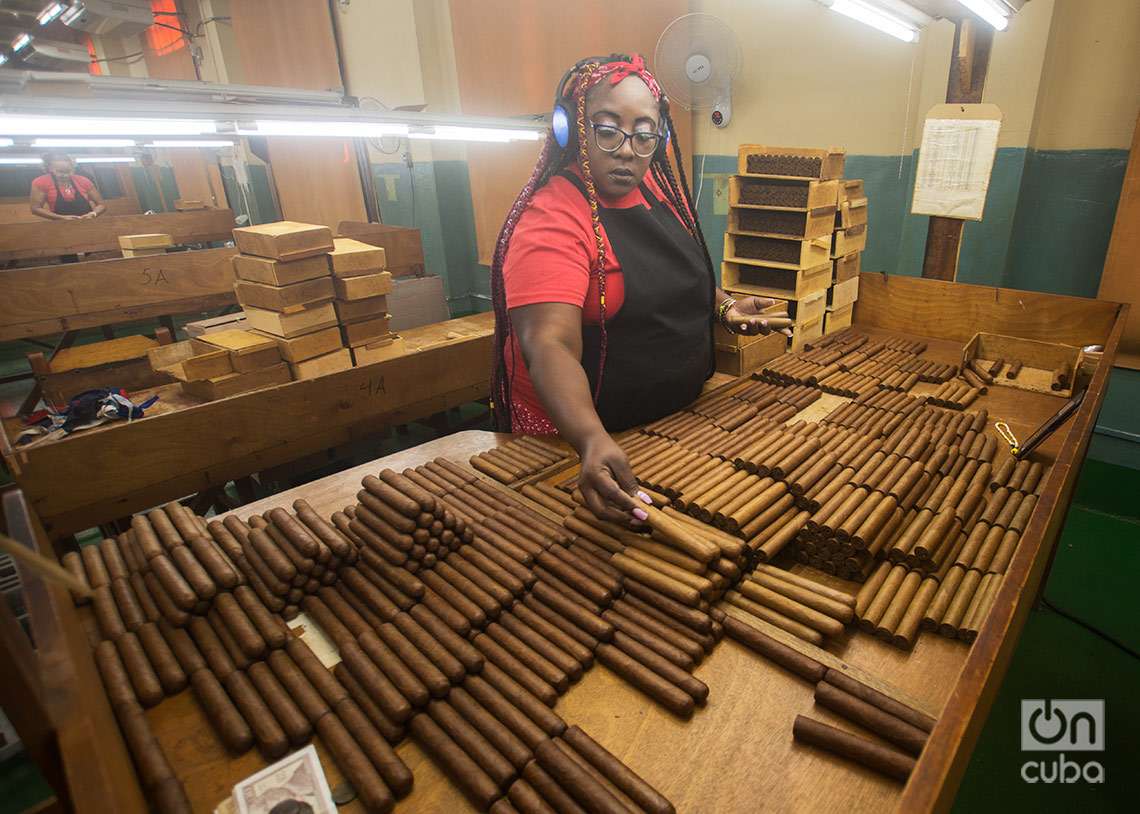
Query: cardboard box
x,y
417,301
274,272
363,286
235,383
351,258
306,346
356,310
366,331
322,365
380,351
285,297
403,247
248,351
147,241
306,320
284,240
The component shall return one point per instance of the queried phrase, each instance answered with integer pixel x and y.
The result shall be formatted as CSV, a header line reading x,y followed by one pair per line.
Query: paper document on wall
x,y
954,165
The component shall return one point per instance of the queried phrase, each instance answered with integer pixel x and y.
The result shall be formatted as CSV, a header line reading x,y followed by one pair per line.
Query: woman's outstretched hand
x,y
748,316
607,481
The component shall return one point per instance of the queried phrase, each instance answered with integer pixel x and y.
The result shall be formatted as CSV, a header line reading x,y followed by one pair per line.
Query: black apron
x,y
659,349
78,206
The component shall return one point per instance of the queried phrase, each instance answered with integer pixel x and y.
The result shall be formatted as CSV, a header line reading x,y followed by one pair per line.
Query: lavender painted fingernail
x,y
644,498
640,514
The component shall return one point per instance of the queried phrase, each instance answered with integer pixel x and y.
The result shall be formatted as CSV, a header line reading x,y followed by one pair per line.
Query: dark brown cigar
x,y
884,759
475,782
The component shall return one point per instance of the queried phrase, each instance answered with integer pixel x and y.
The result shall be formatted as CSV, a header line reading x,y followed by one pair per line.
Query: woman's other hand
x,y
749,317
607,481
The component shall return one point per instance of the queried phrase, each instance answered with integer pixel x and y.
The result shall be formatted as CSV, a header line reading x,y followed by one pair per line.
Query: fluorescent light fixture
x,y
50,12
83,142
989,11
6,142
875,17
91,126
105,159
20,159
22,41
206,142
321,129
491,134
3,57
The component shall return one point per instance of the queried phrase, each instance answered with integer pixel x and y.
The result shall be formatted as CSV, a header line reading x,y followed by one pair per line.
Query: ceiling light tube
x,y
6,142
491,134
992,13
105,159
875,17
81,142
22,41
322,129
206,142
50,12
20,159
92,126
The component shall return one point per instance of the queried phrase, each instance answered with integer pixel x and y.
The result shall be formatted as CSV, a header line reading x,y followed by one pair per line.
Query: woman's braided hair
x,y
551,161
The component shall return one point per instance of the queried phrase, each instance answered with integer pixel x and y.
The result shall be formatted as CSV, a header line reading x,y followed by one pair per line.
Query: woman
x,y
60,194
603,289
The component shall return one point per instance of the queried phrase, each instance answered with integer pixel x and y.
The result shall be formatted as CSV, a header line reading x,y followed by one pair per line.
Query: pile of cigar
x,y
849,364
520,458
954,395
903,728
805,608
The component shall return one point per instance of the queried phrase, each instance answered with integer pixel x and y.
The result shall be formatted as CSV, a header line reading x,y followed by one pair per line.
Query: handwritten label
x,y
374,386
154,277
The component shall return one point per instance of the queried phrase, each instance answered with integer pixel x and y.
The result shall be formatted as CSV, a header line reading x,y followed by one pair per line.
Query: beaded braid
x,y
551,161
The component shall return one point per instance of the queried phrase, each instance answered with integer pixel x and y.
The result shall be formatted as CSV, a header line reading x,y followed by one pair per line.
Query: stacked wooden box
x,y
847,245
781,228
145,245
362,286
222,363
286,291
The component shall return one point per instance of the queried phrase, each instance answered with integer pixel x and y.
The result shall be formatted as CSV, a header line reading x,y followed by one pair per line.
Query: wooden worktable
x,y
737,753
184,446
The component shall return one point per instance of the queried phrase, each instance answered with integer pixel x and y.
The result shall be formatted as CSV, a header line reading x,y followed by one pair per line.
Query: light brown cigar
x,y
842,611
772,546
774,617
679,574
956,611
887,624
884,759
902,734
768,517
686,594
661,690
791,608
882,598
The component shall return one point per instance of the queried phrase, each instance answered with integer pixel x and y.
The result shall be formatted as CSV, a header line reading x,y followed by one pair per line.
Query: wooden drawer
x,y
740,360
838,319
849,240
775,281
795,194
791,162
781,223
851,213
806,332
842,294
776,251
846,267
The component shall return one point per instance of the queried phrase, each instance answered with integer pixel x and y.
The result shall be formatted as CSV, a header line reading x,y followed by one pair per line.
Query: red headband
x,y
617,71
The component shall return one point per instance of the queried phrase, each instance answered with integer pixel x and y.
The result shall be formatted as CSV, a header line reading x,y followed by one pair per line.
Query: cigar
x,y
553,796
666,669
387,763
395,687
352,760
426,671
883,759
663,691
774,617
476,783
521,672
774,650
624,778
472,741
591,794
1013,369
161,658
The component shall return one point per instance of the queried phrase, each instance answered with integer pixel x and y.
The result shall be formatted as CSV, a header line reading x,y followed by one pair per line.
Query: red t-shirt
x,y
551,253
46,184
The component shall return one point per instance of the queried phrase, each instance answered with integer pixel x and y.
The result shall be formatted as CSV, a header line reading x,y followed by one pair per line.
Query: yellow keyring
x,y
1007,434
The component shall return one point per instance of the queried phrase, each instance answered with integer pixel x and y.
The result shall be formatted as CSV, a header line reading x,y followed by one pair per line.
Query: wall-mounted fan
x,y
696,58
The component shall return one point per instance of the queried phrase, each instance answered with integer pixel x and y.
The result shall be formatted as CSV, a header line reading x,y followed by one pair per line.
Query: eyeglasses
x,y
610,139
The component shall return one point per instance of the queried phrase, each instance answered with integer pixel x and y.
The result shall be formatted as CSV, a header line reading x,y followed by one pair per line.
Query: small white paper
x,y
297,777
954,166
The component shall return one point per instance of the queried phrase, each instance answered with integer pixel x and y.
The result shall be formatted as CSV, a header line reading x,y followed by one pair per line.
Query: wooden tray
x,y
831,159
774,281
816,193
1038,360
807,253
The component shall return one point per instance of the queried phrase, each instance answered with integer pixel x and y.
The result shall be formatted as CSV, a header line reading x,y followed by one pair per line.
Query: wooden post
x,y
968,63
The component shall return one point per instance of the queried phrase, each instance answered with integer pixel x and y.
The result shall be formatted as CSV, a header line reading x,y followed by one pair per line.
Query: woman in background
x,y
60,194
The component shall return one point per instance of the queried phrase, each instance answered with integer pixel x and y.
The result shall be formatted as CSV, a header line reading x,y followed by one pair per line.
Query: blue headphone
x,y
561,119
